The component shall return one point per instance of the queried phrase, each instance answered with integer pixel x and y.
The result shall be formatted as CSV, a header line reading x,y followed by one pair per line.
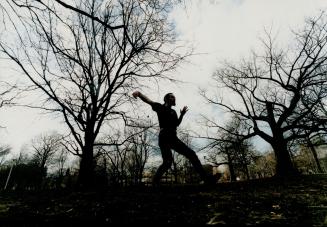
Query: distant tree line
x,y
46,164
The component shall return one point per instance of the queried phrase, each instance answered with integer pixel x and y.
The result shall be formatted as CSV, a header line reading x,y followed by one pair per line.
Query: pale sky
x,y
217,29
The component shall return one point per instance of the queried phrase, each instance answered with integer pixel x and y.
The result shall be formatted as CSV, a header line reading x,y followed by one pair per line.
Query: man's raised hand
x,y
184,110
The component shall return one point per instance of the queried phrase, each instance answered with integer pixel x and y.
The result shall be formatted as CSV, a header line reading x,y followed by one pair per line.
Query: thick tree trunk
x,y
86,171
284,165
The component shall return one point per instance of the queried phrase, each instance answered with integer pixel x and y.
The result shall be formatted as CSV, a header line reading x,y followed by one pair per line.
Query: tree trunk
x,y
244,163
315,156
175,172
86,171
284,165
231,168
246,169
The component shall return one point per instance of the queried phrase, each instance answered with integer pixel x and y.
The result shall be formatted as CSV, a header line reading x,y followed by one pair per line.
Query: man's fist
x,y
136,94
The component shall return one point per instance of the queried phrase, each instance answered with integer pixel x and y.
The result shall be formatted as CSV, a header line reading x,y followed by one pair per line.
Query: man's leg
x,y
167,160
183,149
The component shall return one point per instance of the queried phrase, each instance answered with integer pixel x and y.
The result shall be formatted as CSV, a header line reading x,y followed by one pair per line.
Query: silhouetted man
x,y
168,122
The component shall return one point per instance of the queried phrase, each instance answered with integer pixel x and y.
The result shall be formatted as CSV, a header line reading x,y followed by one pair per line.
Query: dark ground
x,y
293,202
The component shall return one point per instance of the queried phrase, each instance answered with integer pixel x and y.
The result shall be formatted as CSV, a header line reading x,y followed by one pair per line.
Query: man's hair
x,y
167,96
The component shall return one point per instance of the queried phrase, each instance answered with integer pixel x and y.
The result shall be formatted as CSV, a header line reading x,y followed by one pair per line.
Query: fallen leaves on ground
x,y
298,201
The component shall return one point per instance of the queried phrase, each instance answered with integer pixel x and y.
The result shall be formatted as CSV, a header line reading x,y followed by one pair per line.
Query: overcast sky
x,y
217,29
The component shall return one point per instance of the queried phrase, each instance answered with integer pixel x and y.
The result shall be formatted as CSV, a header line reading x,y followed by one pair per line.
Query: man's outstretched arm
x,y
145,99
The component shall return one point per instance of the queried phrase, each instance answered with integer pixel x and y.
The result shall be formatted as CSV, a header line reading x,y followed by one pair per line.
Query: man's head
x,y
170,99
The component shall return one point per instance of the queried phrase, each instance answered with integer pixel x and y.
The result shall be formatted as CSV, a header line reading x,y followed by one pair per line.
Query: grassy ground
x,y
294,202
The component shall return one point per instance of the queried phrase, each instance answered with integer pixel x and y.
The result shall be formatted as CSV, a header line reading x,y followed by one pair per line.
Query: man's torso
x,y
167,117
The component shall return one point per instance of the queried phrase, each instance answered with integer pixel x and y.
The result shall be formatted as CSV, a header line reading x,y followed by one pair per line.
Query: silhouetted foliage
x,y
24,176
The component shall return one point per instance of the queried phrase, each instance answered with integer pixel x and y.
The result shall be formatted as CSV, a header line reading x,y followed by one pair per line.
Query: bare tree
x,y
117,160
278,94
140,149
126,161
304,160
263,165
308,150
60,161
87,58
227,147
45,148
